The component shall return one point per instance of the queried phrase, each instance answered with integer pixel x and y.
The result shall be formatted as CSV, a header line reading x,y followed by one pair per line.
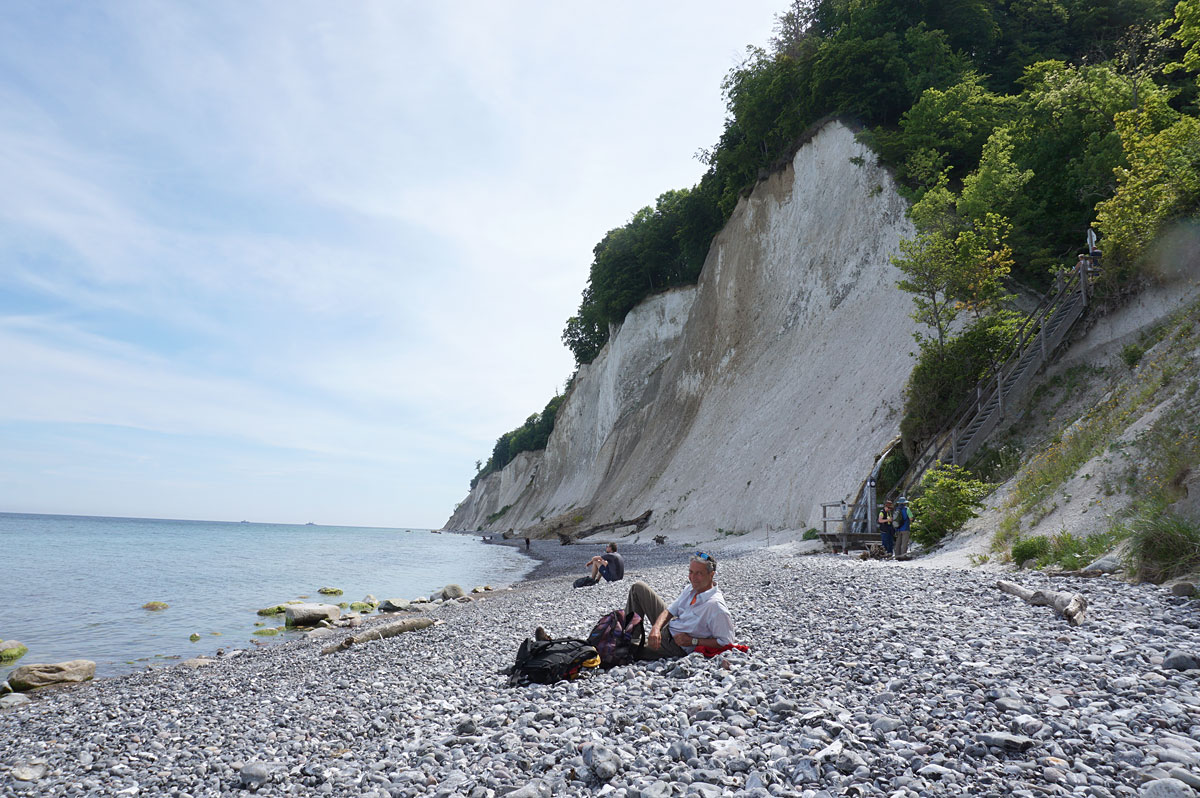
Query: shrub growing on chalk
x,y
949,497
1034,548
1163,545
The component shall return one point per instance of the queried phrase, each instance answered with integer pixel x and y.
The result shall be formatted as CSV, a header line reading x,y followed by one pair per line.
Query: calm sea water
x,y
73,587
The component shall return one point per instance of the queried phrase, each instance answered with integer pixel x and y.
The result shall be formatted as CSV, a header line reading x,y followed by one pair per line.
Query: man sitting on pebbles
x,y
699,617
610,566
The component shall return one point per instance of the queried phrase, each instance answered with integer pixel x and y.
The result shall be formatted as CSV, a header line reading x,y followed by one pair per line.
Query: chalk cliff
x,y
748,400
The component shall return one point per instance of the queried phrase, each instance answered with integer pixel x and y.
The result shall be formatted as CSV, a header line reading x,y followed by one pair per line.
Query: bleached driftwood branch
x,y
380,632
1072,606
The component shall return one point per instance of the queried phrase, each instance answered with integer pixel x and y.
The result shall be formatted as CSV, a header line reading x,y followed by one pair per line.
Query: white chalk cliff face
x,y
745,402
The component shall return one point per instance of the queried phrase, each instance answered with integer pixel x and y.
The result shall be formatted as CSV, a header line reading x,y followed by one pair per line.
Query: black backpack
x,y
613,638
549,661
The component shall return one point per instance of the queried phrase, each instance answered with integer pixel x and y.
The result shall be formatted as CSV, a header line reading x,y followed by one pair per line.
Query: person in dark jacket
x,y
886,531
610,565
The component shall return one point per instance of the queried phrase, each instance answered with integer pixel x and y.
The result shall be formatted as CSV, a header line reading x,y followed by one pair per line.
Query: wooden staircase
x,y
1034,344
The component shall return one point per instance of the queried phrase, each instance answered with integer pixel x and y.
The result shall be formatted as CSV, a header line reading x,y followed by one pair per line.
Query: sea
x,y
73,587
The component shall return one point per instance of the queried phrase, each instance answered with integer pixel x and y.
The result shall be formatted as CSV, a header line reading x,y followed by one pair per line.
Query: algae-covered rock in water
x,y
268,632
277,609
12,650
154,606
32,677
330,591
194,636
362,606
311,614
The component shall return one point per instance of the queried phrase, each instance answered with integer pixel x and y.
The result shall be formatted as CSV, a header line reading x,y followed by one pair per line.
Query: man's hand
x,y
682,638
654,639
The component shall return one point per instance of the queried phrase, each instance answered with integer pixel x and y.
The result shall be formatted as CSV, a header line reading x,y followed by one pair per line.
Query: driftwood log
x,y
380,632
638,523
1072,606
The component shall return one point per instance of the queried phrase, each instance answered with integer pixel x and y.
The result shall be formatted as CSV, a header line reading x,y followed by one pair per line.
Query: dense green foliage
x,y
933,82
948,497
529,437
942,377
1026,549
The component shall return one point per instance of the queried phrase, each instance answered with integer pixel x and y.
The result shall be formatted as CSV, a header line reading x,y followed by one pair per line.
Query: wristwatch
x,y
695,641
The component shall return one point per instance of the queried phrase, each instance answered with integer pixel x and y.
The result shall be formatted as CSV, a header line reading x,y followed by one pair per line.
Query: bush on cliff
x,y
529,437
1163,545
948,497
942,378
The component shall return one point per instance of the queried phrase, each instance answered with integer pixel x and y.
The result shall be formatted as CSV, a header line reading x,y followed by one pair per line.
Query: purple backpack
x,y
613,637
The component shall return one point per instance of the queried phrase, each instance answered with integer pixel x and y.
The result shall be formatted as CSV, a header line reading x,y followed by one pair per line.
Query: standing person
x,y
902,520
886,536
610,565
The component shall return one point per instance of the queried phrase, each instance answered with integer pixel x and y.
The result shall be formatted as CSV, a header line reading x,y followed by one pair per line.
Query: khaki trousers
x,y
648,604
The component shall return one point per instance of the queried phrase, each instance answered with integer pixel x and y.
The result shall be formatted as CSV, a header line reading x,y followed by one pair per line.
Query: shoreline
x,y
890,677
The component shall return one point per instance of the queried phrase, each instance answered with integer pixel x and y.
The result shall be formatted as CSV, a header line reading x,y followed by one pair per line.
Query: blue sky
x,y
306,261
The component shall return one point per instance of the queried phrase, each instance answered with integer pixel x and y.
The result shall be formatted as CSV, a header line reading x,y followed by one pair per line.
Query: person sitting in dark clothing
x,y
609,565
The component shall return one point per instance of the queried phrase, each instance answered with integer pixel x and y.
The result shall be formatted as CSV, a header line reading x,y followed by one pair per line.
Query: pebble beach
x,y
863,678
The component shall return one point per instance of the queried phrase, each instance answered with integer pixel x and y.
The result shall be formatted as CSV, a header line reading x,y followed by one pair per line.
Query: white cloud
x,y
348,231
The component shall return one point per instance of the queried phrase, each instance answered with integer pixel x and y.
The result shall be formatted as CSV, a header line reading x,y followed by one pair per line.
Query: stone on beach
x,y
448,593
393,605
311,614
33,677
13,699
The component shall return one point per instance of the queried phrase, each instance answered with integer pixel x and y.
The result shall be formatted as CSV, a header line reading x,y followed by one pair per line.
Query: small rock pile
x,y
863,679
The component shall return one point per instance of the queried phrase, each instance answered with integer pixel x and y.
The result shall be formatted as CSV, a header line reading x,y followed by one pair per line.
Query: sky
x,y
307,261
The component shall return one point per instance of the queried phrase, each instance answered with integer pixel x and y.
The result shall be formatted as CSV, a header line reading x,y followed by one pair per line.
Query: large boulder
x,y
448,593
393,605
310,614
32,677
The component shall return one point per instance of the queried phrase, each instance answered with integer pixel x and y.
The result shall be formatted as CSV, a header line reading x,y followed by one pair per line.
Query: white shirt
x,y
707,617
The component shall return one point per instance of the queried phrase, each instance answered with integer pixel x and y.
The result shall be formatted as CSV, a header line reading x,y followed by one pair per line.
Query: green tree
x,y
1160,184
930,268
996,186
949,496
959,258
1187,33
1064,133
945,128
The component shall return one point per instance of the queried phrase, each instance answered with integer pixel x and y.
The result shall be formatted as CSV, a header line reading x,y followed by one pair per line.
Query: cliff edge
x,y
748,400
